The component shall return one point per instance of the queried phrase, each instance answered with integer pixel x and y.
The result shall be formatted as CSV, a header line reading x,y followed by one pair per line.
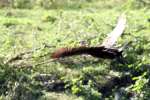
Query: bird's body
x,y
99,52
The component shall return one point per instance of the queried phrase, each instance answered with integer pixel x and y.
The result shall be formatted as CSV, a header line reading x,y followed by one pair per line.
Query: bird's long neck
x,y
63,52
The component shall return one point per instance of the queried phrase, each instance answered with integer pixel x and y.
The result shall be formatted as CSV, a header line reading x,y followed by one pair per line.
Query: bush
x,y
23,4
137,3
51,4
142,3
4,3
44,3
17,84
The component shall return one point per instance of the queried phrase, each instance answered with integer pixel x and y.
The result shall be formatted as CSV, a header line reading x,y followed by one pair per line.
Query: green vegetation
x,y
42,26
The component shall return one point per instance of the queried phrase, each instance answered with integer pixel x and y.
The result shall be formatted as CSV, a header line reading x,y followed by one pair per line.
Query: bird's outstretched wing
x,y
116,33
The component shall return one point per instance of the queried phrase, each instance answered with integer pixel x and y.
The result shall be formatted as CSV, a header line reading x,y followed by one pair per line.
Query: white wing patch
x,y
116,33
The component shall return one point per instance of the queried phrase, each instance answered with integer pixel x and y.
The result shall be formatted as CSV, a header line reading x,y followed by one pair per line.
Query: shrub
x,y
23,3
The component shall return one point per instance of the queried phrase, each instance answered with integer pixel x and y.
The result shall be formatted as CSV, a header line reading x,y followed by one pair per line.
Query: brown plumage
x,y
103,51
99,52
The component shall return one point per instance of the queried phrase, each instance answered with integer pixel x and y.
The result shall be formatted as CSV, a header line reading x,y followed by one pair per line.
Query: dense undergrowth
x,y
42,31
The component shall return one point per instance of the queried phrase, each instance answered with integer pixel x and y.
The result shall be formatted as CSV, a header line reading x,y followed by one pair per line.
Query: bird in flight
x,y
106,50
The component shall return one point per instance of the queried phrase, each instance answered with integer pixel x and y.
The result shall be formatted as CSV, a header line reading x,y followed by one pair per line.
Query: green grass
x,y
23,29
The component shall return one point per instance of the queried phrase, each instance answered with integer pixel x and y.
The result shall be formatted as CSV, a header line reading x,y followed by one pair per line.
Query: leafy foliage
x,y
16,84
70,23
